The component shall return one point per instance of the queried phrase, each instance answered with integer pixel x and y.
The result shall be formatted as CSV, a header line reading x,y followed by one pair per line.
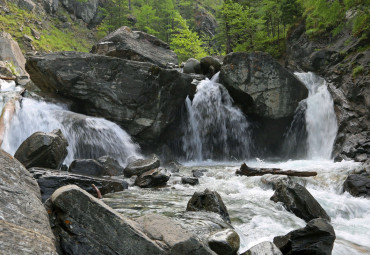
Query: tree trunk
x,y
248,171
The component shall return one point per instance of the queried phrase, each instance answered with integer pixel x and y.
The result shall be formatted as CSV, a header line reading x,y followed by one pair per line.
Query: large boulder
x,y
299,201
210,66
111,166
135,45
192,65
224,242
24,223
12,54
85,225
87,167
358,185
209,201
276,92
317,238
264,248
49,181
141,166
141,97
43,150
171,236
153,178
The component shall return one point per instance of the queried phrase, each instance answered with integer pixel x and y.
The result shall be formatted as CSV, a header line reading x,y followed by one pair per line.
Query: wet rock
x,y
111,166
317,238
135,45
50,180
153,178
24,223
98,230
299,201
192,65
264,248
173,166
142,98
199,172
190,180
210,66
265,80
87,167
170,235
43,150
358,185
209,201
141,166
224,242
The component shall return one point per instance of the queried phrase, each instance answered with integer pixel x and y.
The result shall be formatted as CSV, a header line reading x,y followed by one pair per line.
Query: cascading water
x,y
87,137
215,128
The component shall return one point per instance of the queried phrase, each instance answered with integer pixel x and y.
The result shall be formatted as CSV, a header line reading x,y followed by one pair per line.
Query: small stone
x,y
224,242
153,178
141,166
35,34
199,172
190,180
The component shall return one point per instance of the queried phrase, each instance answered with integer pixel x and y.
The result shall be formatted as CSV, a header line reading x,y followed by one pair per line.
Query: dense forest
x,y
240,25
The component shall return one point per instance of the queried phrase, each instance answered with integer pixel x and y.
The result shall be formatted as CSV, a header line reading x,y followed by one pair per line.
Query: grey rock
x,y
35,34
141,166
142,98
43,150
88,10
24,223
173,166
210,66
85,225
358,185
190,180
276,92
51,6
27,5
170,235
298,200
51,180
209,201
317,238
135,45
111,166
192,65
199,172
153,178
87,167
264,248
5,70
224,242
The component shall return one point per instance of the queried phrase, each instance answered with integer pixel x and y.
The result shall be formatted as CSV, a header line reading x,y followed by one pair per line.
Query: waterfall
x,y
321,122
214,128
88,137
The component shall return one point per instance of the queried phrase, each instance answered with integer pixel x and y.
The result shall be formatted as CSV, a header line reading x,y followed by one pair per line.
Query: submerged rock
x,y
141,166
358,185
43,150
317,238
87,167
135,45
171,236
298,200
199,172
153,178
50,180
264,248
209,201
189,180
24,223
224,242
85,225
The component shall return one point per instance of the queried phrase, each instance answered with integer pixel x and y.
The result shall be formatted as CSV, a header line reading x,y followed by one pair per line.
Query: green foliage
x,y
357,71
361,23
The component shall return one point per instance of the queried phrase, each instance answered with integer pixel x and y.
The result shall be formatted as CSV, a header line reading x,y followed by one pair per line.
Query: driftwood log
x,y
8,78
248,171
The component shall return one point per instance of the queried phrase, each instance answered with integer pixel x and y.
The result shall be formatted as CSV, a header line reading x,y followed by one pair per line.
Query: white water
x,y
215,128
321,122
88,137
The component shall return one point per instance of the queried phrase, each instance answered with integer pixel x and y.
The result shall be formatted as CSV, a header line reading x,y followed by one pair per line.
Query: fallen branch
x,y
7,78
248,171
97,191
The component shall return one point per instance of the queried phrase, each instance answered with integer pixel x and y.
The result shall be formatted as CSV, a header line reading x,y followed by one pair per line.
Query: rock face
x,y
275,91
10,52
171,236
137,46
141,166
87,10
317,238
358,185
43,150
209,201
87,167
153,178
299,201
224,242
142,98
264,248
85,225
335,59
24,223
49,181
